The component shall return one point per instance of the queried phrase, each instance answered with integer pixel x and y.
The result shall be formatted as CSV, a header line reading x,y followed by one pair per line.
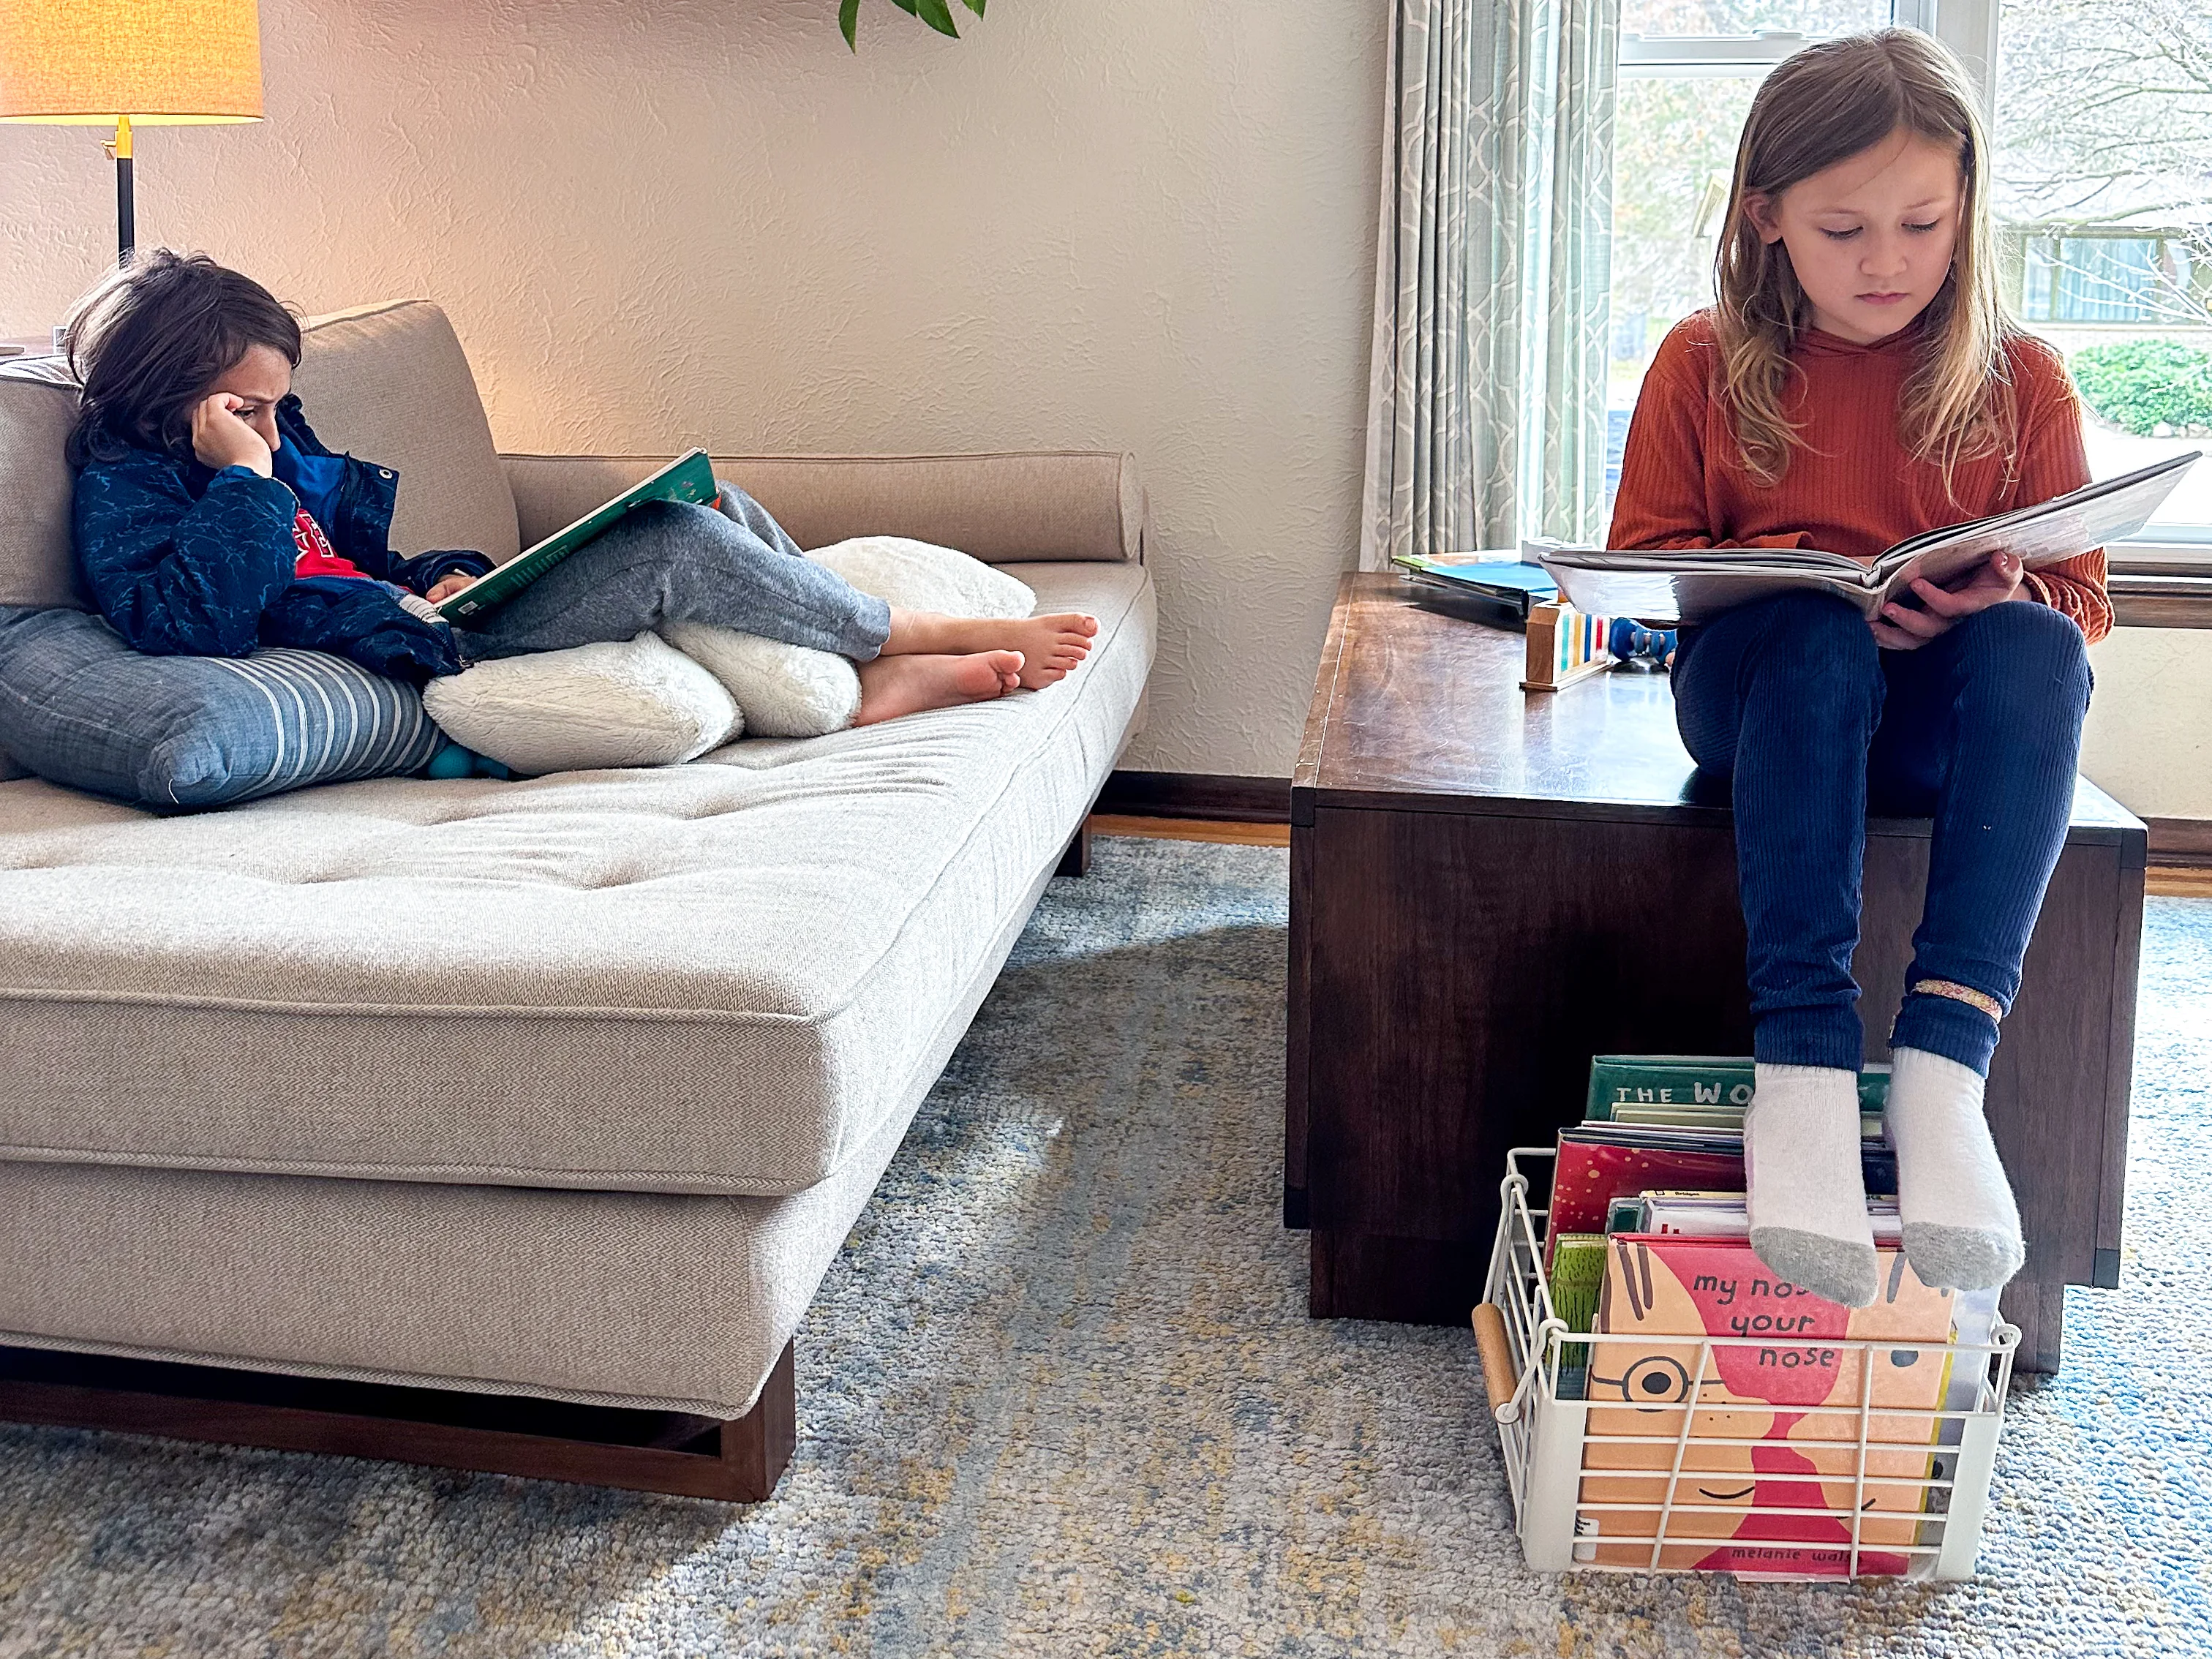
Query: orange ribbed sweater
x,y
1854,488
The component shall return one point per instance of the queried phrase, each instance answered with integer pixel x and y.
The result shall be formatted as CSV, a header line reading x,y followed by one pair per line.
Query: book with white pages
x,y
1694,585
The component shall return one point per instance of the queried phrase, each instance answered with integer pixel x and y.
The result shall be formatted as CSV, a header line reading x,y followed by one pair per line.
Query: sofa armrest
x,y
1004,509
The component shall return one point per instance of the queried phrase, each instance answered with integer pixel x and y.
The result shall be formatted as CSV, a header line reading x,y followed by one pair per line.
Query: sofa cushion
x,y
1007,509
37,408
80,708
713,978
388,382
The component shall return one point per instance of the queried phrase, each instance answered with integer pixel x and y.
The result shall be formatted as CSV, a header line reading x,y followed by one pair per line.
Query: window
x,y
1688,69
2104,204
2103,199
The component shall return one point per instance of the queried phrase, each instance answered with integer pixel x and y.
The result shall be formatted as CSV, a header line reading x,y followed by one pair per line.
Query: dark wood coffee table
x,y
1490,886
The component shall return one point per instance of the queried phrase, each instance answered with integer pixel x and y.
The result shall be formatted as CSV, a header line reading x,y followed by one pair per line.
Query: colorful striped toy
x,y
1565,644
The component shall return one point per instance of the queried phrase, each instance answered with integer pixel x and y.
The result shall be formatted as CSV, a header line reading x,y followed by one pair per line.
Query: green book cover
x,y
1577,1277
1693,1080
689,478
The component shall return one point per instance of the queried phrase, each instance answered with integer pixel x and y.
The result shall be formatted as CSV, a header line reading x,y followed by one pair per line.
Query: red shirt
x,y
1852,487
317,556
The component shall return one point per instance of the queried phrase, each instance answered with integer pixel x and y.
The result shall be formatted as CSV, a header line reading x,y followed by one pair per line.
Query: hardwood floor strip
x,y
2171,881
1212,829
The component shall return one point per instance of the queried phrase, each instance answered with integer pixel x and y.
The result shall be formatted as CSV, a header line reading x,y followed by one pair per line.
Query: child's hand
x,y
1901,629
445,586
220,439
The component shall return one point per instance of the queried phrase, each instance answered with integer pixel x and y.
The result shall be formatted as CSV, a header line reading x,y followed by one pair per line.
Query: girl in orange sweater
x,y
1856,383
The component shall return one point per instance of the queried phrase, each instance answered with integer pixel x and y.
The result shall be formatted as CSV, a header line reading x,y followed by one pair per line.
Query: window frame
x,y
2155,581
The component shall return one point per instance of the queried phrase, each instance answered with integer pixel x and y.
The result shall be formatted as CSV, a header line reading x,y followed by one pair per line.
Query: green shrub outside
x,y
2142,385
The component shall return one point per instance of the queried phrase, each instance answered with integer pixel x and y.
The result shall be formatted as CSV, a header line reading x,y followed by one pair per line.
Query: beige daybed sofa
x,y
568,1088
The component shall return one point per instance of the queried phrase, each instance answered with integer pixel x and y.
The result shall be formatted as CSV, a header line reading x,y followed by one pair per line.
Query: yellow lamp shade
x,y
160,63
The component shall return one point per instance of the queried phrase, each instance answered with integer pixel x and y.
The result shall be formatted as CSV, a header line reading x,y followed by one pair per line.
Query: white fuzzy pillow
x,y
786,691
789,691
635,704
922,576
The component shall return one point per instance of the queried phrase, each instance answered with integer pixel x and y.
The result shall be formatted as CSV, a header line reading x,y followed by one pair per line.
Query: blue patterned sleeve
x,y
426,570
176,576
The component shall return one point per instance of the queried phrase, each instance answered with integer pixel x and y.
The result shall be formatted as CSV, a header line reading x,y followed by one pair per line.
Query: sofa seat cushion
x,y
715,978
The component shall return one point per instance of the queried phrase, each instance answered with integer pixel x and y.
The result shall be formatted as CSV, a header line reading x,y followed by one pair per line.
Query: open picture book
x,y
1692,585
689,478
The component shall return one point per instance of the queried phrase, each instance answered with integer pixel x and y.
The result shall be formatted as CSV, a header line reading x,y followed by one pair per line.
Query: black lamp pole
x,y
126,210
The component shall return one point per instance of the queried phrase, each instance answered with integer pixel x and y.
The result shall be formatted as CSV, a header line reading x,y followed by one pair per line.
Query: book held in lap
x,y
1694,585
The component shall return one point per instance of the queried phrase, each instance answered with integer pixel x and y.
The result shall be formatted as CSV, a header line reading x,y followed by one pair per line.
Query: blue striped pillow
x,y
79,707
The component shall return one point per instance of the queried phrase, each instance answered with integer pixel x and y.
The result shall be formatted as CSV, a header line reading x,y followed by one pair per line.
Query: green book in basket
x,y
689,478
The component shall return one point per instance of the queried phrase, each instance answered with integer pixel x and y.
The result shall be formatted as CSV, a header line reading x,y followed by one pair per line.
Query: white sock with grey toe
x,y
1961,1225
1805,1195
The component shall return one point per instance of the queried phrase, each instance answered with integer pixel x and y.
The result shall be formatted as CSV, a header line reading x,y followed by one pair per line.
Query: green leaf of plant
x,y
849,19
975,6
937,15
911,7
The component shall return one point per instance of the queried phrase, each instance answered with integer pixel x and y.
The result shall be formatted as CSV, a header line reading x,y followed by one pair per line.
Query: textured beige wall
x,y
2148,740
1145,225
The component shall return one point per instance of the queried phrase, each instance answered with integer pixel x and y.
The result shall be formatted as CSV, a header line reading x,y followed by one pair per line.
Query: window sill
x,y
2167,599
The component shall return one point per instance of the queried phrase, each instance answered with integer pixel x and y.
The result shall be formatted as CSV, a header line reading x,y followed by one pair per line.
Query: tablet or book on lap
x,y
1693,584
689,478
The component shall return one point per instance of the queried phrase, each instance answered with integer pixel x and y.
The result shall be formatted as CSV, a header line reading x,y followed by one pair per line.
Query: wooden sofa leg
x,y
757,1448
1075,860
738,1460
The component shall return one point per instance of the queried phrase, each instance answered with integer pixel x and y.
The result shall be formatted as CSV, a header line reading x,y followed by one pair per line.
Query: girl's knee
x,y
2029,645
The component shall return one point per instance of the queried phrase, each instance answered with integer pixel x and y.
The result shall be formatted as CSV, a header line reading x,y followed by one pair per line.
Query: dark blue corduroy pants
x,y
1791,700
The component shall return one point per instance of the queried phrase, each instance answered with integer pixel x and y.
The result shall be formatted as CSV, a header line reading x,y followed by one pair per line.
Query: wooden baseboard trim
x,y
1196,795
739,1462
2180,844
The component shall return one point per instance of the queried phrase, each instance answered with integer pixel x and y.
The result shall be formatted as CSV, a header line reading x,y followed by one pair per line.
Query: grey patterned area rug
x,y
1060,1397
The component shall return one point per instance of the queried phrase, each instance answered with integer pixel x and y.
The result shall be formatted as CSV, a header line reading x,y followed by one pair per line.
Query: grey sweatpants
x,y
670,561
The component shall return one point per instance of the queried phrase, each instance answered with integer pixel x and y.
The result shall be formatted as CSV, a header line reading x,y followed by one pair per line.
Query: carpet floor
x,y
1060,1397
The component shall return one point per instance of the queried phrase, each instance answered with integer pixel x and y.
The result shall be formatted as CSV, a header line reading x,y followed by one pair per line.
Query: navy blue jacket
x,y
182,561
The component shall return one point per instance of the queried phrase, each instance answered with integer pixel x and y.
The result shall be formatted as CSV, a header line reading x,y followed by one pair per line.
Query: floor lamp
x,y
141,63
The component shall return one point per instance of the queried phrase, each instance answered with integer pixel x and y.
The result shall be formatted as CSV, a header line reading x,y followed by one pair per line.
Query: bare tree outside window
x,y
2104,164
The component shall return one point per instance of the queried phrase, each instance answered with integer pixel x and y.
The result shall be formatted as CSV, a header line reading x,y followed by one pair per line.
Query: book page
x,y
2047,533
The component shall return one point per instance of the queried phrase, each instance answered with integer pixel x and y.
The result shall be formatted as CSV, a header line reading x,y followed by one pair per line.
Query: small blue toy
x,y
454,761
1639,649
450,762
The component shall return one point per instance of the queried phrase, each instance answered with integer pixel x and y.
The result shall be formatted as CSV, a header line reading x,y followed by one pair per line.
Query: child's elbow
x,y
162,629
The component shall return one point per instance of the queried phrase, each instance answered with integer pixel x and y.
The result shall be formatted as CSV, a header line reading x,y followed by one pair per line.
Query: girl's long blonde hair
x,y
1829,102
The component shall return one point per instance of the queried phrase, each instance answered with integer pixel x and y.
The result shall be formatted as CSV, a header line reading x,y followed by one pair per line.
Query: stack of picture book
x,y
1501,578
1789,1427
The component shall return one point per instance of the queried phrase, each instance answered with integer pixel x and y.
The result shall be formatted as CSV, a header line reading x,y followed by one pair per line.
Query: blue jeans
x,y
670,561
1791,700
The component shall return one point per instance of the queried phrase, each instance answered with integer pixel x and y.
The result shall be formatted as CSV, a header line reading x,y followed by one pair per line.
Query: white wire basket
x,y
1684,1477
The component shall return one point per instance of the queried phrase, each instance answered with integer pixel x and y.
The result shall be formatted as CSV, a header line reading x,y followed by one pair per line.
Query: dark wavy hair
x,y
148,341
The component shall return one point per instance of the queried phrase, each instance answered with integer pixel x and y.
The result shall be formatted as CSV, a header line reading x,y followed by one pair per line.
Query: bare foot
x,y
1051,646
891,686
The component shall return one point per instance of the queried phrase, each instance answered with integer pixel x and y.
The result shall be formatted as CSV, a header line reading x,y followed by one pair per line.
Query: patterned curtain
x,y
1485,415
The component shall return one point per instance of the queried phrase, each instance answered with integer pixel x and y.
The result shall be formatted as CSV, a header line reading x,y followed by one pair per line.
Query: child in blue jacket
x,y
210,520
